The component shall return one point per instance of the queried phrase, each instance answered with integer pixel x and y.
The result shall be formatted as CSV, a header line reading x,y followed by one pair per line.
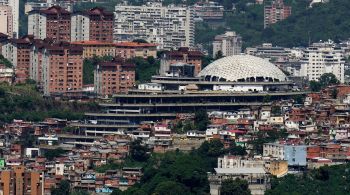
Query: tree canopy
x,y
325,80
323,181
237,186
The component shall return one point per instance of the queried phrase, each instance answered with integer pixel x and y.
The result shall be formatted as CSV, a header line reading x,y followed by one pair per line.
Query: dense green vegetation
x,y
325,80
63,188
236,186
89,66
25,102
178,172
323,181
145,68
5,61
322,22
51,154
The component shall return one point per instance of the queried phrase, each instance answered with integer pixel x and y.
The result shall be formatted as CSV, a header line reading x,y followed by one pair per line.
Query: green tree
x,y
298,99
51,154
334,93
219,55
138,152
237,186
63,188
201,120
315,86
170,188
328,79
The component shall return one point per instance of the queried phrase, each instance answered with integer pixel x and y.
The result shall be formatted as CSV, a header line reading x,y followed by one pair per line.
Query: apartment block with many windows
x,y
53,22
116,76
62,69
276,12
321,58
95,24
170,27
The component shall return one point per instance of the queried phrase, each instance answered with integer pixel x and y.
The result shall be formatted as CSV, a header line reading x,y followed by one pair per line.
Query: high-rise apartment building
x,y
322,58
19,181
14,4
62,68
6,20
17,51
276,12
57,67
95,25
229,44
116,76
53,22
170,27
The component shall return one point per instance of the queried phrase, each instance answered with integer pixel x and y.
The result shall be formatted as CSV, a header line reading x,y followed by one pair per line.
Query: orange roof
x,y
134,44
120,44
92,43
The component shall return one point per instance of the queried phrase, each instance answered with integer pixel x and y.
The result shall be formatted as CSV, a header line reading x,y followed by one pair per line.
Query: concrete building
x,y
276,12
53,22
6,74
14,4
229,44
169,96
295,155
57,67
6,20
209,10
95,24
19,181
30,6
125,50
133,49
96,48
115,76
170,27
17,51
258,179
182,55
267,50
321,58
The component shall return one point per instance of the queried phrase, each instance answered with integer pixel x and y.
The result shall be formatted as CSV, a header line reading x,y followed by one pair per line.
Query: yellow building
x,y
133,49
278,168
96,48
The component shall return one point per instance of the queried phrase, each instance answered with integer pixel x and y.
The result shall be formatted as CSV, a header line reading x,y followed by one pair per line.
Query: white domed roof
x,y
242,68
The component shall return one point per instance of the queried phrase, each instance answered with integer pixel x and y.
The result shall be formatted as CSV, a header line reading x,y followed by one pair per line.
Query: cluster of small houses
x,y
317,134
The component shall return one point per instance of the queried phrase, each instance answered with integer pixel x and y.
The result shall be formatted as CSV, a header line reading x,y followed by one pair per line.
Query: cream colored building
x,y
6,20
169,26
14,4
321,58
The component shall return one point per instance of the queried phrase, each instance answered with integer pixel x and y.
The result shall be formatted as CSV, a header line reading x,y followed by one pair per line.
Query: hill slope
x,y
322,22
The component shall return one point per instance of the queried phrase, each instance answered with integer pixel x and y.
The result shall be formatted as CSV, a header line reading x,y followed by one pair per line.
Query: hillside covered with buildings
x,y
171,97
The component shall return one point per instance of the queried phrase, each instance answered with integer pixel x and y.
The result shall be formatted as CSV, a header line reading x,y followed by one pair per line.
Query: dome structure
x,y
242,68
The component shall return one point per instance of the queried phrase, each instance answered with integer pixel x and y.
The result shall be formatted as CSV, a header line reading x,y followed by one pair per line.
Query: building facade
x,y
321,58
96,48
133,49
17,51
53,23
276,12
182,55
20,181
6,20
61,68
14,5
116,76
170,27
229,44
95,24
